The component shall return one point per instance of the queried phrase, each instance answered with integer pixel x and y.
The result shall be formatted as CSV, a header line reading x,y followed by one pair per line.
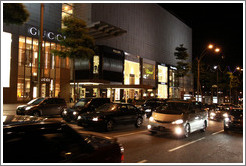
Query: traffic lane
x,y
143,147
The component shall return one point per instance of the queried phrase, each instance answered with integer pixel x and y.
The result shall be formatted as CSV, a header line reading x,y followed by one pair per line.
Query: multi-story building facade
x,y
134,56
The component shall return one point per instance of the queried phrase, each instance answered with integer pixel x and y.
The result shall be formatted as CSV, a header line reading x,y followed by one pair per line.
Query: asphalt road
x,y
212,146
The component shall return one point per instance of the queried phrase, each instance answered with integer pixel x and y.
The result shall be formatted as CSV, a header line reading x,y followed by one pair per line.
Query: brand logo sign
x,y
50,35
45,79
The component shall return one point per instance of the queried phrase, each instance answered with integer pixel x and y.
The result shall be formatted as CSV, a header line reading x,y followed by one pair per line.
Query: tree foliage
x,y
15,13
77,42
182,66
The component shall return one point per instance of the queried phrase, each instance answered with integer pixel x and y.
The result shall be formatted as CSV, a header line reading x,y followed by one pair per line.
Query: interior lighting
x,y
210,46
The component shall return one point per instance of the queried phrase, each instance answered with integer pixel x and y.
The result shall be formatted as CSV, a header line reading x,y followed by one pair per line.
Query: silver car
x,y
179,117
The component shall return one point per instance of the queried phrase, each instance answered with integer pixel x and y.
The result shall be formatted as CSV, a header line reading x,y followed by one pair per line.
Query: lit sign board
x,y
116,51
50,35
45,79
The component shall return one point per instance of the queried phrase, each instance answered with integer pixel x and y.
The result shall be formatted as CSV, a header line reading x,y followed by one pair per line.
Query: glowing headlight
x,y
28,108
95,119
148,110
79,117
225,115
149,127
180,121
151,119
74,113
212,114
178,130
65,112
227,119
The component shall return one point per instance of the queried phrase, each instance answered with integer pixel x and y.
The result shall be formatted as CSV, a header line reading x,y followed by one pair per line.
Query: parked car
x,y
82,106
179,117
233,119
42,107
150,105
43,141
218,113
111,114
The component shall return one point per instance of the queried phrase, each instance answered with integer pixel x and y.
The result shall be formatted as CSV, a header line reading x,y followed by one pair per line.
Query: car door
x,y
132,113
194,119
121,114
49,107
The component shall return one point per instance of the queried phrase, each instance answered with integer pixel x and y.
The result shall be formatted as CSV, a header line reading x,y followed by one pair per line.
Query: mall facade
x,y
134,56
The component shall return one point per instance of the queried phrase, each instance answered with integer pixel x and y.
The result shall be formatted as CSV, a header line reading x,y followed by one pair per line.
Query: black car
x,y
42,107
111,114
234,119
218,113
150,105
82,106
56,142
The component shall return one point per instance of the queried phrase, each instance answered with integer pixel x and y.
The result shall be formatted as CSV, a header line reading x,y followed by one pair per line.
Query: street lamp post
x,y
210,46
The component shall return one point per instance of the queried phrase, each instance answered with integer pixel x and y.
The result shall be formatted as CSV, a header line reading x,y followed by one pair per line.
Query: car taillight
x,y
122,157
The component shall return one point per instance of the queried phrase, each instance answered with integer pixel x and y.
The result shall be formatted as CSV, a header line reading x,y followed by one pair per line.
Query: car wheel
x,y
204,126
138,122
187,131
36,113
109,125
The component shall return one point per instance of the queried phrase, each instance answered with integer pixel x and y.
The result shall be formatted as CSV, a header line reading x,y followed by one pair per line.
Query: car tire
x,y
36,113
187,130
204,126
139,122
109,125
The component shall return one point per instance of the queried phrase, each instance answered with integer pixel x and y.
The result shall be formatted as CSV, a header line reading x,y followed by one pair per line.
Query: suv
x,y
233,119
42,106
83,105
179,117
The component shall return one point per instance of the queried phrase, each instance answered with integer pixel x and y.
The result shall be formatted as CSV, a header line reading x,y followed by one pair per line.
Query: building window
x,y
67,10
28,69
148,71
162,81
95,64
131,73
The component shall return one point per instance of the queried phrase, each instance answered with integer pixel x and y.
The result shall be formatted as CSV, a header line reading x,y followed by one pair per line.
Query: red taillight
x,y
122,157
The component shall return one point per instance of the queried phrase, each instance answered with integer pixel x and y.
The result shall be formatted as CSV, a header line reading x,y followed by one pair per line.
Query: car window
x,y
107,107
36,101
131,107
173,108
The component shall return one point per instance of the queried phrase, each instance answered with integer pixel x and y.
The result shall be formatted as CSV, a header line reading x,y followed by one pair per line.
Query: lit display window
x,y
67,10
131,73
95,64
148,71
162,74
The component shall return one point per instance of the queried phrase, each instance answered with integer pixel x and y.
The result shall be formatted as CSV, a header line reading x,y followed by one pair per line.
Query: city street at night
x,y
212,146
123,82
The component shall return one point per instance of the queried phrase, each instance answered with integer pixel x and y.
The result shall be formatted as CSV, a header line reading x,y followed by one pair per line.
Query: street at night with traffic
x,y
122,82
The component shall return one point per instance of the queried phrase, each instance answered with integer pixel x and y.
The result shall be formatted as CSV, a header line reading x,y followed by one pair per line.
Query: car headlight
x,y
212,114
227,119
151,119
75,113
65,111
225,115
148,110
79,117
95,119
179,121
28,108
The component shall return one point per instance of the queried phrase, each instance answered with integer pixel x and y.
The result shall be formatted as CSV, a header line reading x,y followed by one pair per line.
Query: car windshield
x,y
107,107
173,108
36,101
81,103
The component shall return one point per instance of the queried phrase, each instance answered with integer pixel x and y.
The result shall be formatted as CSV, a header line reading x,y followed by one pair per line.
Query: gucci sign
x,y
50,35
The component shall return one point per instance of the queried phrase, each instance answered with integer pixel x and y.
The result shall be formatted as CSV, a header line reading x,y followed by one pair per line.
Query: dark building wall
x,y
152,32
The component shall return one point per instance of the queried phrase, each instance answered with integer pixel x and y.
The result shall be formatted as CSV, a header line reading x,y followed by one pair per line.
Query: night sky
x,y
218,23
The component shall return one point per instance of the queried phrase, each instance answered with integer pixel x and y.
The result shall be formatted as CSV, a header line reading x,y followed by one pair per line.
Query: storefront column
x,y
126,95
111,94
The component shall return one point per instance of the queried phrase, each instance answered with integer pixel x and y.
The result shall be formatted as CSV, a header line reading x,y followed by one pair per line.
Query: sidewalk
x,y
10,109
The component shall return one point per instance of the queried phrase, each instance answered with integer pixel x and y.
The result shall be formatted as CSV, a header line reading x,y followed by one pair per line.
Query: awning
x,y
102,30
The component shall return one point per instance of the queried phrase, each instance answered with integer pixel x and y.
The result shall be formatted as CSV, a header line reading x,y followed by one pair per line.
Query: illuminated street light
x,y
210,46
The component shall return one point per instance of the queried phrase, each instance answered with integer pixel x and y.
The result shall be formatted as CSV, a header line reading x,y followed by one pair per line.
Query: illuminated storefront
x,y
162,81
173,83
28,69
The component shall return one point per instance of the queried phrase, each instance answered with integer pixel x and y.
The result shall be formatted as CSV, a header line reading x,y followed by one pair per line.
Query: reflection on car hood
x,y
166,117
20,119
